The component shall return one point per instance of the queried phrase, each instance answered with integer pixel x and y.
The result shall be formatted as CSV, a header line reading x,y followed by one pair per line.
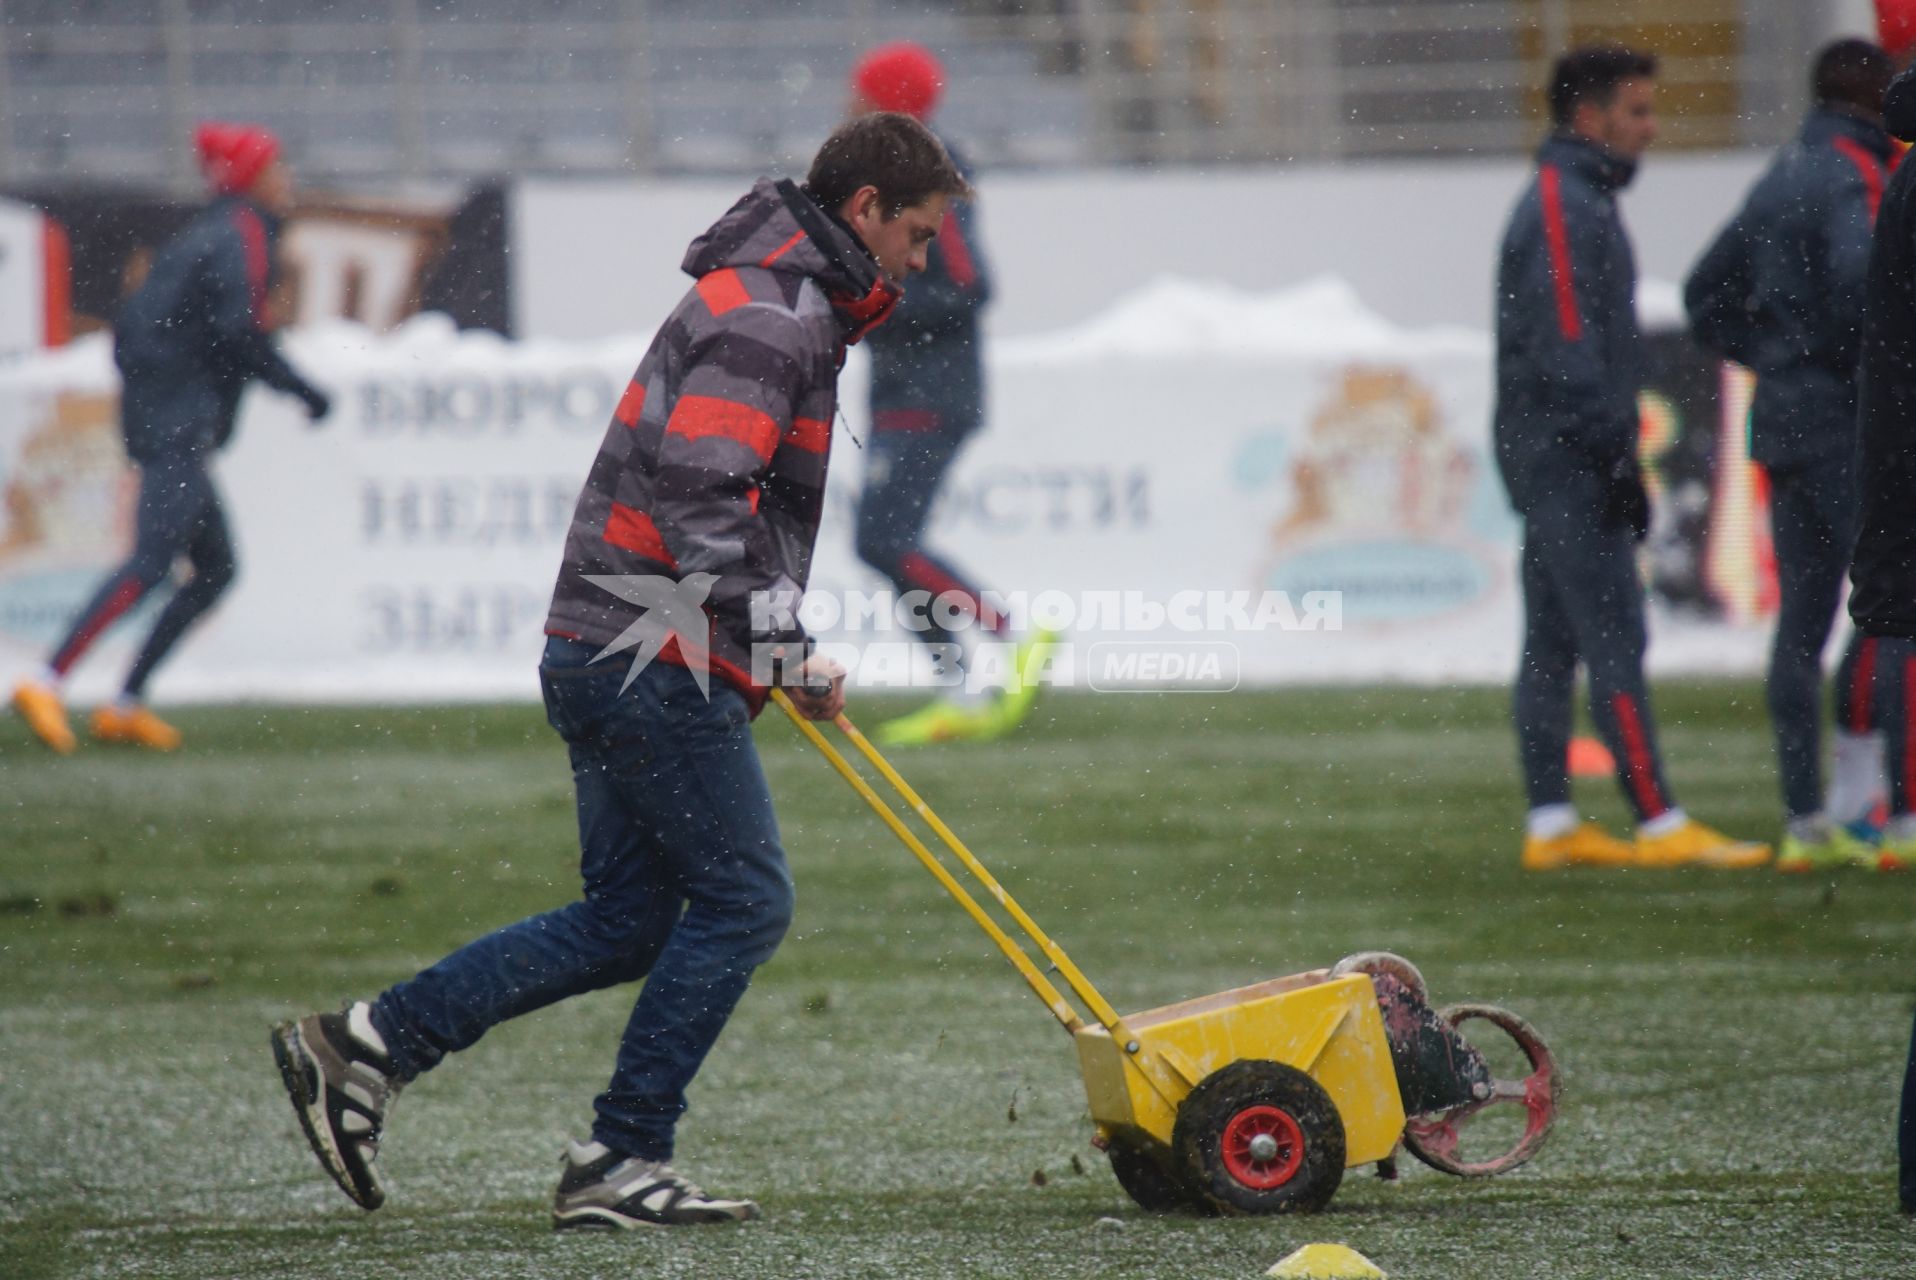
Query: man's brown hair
x,y
892,152
1591,74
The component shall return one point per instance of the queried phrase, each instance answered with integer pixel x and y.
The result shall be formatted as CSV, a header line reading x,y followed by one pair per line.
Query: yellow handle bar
x,y
1053,999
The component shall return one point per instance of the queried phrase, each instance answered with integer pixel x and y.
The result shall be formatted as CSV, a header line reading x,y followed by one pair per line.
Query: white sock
x,y
1663,824
1811,827
1901,827
1857,780
126,704
588,1151
51,679
360,1022
1548,821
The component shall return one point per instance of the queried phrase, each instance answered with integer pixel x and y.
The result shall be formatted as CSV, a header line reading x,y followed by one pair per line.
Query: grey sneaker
x,y
601,1188
341,1080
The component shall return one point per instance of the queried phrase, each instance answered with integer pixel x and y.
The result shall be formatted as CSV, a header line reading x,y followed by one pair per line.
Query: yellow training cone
x,y
1326,1262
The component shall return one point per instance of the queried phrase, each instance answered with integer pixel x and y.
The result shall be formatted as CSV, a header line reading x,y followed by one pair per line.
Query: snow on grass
x,y
1730,1044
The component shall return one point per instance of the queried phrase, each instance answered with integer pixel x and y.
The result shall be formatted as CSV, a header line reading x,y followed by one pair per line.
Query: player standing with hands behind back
x,y
1780,291
1569,367
187,343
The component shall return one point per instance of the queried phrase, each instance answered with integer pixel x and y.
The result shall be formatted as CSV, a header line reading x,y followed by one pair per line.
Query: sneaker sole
x,y
598,1220
594,1218
301,1077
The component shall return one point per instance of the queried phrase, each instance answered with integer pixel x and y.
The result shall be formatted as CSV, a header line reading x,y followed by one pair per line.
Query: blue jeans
x,y
685,886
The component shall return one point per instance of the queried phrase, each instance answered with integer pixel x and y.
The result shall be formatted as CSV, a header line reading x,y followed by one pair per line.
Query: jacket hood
x,y
1596,164
777,226
1825,123
1899,108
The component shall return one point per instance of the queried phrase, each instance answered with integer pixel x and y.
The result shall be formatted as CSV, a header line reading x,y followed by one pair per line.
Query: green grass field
x,y
889,1090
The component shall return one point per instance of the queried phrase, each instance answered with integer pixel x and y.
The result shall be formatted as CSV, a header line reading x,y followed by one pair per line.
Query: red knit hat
x,y
232,156
1896,25
904,76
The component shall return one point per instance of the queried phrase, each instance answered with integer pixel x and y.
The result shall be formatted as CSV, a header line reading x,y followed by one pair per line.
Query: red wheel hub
x,y
1263,1147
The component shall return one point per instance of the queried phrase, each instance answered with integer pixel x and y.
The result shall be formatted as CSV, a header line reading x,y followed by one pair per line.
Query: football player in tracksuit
x,y
1569,367
708,487
1780,292
927,397
187,343
1882,600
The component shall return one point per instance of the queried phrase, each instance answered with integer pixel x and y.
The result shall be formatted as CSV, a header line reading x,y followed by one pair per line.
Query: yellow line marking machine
x,y
1256,1100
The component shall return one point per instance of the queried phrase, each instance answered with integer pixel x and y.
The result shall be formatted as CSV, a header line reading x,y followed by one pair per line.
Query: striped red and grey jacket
x,y
714,462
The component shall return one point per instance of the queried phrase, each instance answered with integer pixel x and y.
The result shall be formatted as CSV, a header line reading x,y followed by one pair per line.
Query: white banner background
x,y
1191,439
23,279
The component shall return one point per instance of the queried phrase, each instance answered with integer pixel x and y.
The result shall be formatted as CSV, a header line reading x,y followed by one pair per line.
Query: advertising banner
x,y
33,281
403,549
1202,489
1283,482
373,261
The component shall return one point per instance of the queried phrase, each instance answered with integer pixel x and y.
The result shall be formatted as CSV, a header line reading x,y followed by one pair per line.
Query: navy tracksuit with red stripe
x,y
187,343
927,397
1780,291
1569,366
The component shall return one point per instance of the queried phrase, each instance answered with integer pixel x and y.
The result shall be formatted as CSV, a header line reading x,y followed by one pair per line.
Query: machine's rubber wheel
x,y
1384,962
1149,1179
1437,1137
1260,1137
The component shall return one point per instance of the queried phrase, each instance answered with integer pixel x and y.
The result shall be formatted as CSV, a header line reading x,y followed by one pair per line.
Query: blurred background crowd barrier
x,y
1180,201
384,91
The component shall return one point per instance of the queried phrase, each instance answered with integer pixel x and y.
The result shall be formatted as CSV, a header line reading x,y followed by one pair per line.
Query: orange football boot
x,y
40,706
137,727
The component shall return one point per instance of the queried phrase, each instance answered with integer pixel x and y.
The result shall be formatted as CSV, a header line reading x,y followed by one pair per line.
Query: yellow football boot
x,y
943,721
1837,849
40,706
1692,844
1585,845
1014,704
